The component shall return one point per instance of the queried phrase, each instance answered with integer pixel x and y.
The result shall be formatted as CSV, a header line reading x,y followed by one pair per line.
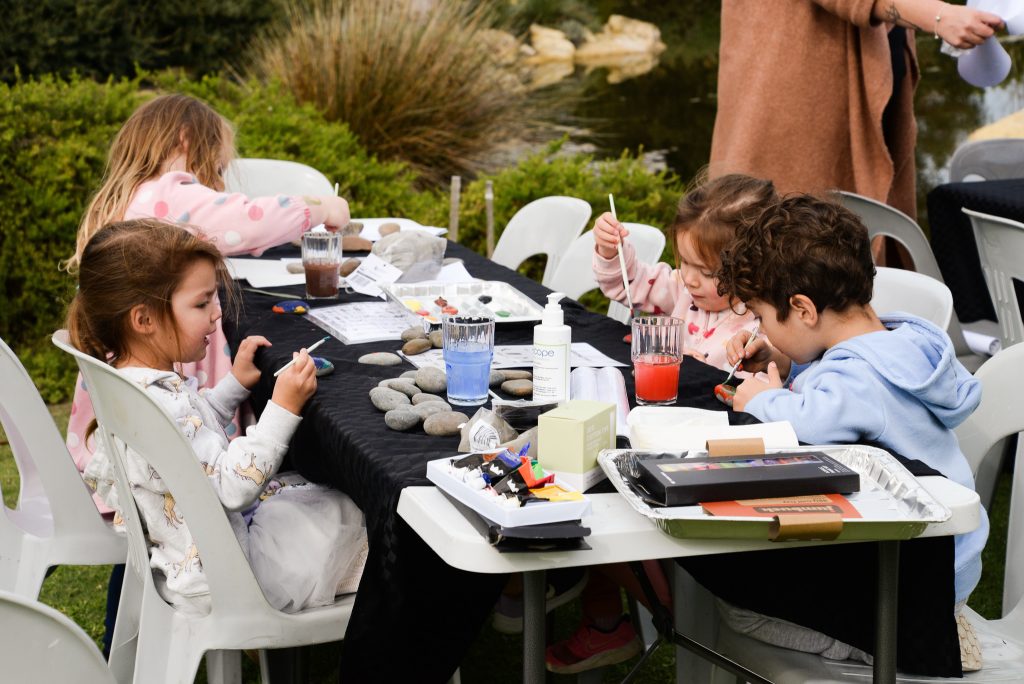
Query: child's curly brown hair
x,y
801,245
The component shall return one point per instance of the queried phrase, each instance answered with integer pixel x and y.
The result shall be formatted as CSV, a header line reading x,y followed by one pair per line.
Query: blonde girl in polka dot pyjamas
x,y
168,162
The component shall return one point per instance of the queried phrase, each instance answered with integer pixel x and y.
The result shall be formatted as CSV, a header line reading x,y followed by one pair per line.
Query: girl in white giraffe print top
x,y
147,302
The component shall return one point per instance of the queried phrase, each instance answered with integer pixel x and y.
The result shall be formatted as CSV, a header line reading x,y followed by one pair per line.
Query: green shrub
x,y
54,137
101,38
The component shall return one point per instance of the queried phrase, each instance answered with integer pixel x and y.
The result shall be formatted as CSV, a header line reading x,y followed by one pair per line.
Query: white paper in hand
x,y
989,63
371,274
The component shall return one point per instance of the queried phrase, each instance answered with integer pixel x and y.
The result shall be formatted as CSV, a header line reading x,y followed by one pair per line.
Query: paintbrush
x,y
622,260
288,365
735,366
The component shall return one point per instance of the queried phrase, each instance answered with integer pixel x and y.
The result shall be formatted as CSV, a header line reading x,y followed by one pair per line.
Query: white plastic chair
x,y
169,643
41,644
55,521
915,293
262,177
544,226
881,219
1001,249
575,274
987,160
1002,640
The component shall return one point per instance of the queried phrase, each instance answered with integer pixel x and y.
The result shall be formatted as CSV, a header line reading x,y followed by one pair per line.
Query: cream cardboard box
x,y
570,438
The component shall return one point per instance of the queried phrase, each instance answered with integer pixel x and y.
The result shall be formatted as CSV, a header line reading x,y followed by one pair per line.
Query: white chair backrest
x,y
1001,249
575,273
544,226
54,504
987,160
649,243
128,416
262,177
999,415
913,293
43,645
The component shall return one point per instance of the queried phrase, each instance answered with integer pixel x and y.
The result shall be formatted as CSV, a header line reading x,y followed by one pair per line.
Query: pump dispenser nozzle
x,y
553,311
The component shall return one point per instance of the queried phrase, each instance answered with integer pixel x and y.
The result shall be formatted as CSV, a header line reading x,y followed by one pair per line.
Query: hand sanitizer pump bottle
x,y
551,344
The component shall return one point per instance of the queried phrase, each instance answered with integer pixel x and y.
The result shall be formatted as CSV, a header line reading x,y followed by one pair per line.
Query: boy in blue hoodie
x,y
804,268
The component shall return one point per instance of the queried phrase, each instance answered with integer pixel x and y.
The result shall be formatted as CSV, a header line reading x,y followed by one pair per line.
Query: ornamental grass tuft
x,y
415,81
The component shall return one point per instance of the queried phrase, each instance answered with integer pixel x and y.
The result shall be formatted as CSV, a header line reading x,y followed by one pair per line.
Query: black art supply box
x,y
688,481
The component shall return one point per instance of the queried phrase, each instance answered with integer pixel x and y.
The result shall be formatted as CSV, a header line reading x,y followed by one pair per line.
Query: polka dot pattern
x,y
73,441
231,429
160,209
202,377
184,217
255,212
227,350
284,201
232,238
221,200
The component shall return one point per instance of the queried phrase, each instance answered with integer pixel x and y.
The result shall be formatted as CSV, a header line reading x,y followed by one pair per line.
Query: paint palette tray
x,y
891,502
430,301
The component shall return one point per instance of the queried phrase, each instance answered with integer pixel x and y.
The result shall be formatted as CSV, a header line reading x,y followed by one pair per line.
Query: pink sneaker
x,y
590,647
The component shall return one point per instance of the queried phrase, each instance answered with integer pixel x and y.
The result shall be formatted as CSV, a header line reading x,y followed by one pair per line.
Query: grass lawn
x,y
80,592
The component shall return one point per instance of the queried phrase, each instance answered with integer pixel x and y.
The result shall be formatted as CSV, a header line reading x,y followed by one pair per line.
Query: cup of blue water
x,y
468,349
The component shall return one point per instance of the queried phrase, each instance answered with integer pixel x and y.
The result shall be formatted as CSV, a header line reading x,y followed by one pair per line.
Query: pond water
x,y
671,109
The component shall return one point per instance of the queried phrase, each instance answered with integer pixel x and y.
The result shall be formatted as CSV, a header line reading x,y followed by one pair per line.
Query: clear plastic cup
x,y
657,352
321,259
468,350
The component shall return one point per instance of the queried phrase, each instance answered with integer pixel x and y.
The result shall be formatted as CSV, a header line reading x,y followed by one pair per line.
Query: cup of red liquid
x,y
657,351
321,259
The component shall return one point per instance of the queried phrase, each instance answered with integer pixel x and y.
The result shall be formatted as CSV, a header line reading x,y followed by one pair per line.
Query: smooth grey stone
x,y
387,399
406,387
429,408
512,374
381,359
413,333
436,339
444,424
410,375
402,419
432,380
424,397
518,388
417,346
496,378
295,267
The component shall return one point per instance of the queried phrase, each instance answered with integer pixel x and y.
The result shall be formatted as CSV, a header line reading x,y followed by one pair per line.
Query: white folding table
x,y
620,534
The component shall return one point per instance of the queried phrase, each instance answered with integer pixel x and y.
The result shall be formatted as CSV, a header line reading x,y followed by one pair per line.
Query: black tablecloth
x,y
953,239
414,615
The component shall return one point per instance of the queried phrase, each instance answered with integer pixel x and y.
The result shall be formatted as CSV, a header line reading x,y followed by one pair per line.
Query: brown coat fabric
x,y
802,86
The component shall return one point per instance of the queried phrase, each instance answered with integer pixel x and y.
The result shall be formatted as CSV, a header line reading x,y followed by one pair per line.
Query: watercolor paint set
x,y
429,302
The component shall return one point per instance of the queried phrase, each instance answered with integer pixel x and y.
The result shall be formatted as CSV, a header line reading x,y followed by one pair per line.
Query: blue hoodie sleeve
x,y
837,403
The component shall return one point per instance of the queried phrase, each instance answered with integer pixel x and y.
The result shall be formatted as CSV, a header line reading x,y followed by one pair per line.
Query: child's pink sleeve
x,y
81,416
236,223
654,287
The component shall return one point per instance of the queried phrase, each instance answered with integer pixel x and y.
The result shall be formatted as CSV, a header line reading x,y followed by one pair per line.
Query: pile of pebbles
x,y
417,397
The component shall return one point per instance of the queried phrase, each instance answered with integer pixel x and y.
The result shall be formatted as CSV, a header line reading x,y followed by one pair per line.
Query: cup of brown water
x,y
321,258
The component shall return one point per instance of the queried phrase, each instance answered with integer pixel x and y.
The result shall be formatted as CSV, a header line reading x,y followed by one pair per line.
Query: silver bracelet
x,y
938,18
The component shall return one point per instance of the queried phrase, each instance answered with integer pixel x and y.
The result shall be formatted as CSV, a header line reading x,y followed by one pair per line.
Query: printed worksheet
x,y
582,355
360,322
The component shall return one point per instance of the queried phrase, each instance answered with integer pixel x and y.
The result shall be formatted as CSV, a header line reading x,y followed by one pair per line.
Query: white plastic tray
x,y
465,297
484,504
892,502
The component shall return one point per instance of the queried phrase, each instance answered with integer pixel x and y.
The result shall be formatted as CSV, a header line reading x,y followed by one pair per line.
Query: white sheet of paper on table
x,y
264,272
360,322
678,436
521,356
371,274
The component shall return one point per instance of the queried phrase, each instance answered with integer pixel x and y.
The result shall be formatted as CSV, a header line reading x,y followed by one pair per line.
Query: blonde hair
x,y
157,131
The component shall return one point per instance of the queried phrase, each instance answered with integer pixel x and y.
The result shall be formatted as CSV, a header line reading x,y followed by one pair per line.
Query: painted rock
x,y
431,380
402,419
347,266
429,408
291,306
424,397
323,366
417,346
485,299
413,333
725,394
387,399
518,388
444,423
406,387
512,374
381,359
436,339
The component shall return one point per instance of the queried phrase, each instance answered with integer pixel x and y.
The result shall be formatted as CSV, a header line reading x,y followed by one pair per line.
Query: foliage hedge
x,y
54,136
101,38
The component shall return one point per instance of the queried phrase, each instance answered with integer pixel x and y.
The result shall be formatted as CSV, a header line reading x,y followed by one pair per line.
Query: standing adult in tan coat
x,y
803,84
